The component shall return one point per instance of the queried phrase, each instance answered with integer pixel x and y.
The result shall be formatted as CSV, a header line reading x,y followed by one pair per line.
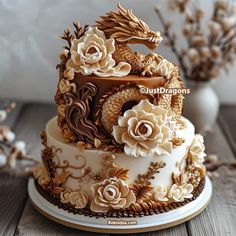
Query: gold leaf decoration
x,y
181,178
79,30
59,179
177,141
153,169
119,173
142,186
142,192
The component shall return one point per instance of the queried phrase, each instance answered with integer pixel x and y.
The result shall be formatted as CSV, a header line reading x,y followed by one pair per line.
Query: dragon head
x,y
125,27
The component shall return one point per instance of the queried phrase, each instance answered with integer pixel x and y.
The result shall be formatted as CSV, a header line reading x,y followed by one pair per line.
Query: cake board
x,y
121,225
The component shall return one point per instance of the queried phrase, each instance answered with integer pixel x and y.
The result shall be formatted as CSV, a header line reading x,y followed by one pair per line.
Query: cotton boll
x,y
228,22
187,29
233,8
214,27
3,115
216,52
9,136
221,4
20,146
193,55
3,160
198,41
205,52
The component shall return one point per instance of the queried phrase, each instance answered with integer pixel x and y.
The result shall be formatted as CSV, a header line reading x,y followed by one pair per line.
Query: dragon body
x,y
127,29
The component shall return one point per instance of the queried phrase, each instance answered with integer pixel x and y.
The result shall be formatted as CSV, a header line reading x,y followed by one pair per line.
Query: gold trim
x,y
120,231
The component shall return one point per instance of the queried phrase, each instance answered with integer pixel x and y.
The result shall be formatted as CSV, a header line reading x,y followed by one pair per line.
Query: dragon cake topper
x,y
125,27
103,50
89,106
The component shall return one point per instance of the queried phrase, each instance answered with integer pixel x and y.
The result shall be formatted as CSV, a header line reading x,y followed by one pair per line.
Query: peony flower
x,y
110,194
179,192
165,68
196,151
145,130
92,54
160,193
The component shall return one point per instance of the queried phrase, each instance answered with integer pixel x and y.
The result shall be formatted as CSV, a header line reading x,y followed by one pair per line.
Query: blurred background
x,y
30,43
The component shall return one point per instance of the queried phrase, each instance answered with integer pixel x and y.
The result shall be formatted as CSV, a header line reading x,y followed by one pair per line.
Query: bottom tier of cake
x,y
105,184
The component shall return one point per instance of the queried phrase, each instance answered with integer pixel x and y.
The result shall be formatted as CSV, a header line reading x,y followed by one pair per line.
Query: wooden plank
x,y
8,184
179,230
227,120
220,216
13,194
34,224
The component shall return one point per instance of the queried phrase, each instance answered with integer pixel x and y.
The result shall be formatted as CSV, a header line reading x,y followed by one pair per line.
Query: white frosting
x,y
92,158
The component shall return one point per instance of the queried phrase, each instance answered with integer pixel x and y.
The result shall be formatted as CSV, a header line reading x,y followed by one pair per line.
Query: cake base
x,y
121,225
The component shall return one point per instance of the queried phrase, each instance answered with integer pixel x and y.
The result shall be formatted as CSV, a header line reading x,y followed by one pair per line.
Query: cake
x,y
118,147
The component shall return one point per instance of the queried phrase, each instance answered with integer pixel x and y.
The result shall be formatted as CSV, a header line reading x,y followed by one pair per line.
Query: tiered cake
x,y
116,147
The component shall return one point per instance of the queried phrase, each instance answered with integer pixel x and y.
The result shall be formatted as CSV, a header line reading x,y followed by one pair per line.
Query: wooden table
x,y
18,217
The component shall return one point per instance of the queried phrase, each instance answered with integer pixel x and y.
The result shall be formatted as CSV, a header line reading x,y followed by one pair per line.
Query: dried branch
x,y
171,42
205,54
79,30
11,152
68,37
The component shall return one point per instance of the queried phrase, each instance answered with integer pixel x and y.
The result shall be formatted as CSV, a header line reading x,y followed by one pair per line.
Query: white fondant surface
x,y
136,166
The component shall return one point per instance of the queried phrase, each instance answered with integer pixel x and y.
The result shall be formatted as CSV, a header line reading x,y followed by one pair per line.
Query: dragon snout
x,y
155,37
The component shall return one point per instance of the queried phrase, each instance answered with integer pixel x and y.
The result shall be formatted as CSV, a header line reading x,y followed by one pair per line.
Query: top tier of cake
x,y
100,78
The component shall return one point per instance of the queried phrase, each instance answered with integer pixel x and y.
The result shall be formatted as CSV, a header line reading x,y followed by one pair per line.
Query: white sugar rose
x,y
146,130
79,199
165,68
179,192
111,194
92,54
196,151
65,195
160,193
